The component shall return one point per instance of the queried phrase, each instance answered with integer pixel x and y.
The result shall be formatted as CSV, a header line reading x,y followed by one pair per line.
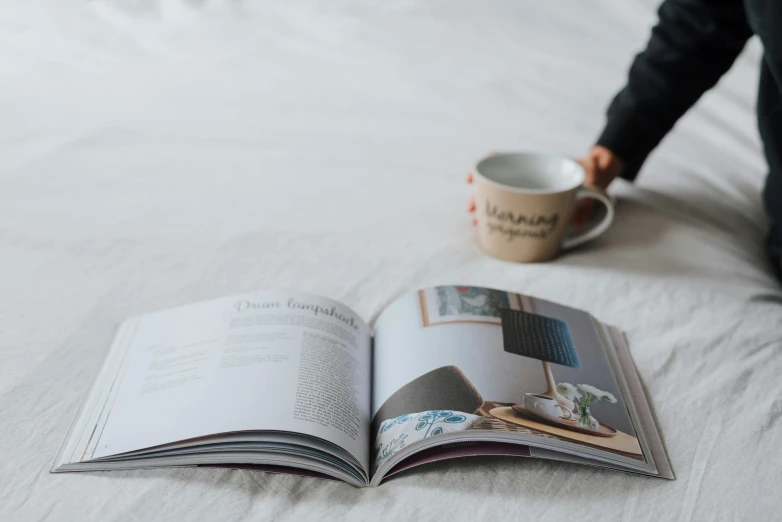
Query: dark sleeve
x,y
694,43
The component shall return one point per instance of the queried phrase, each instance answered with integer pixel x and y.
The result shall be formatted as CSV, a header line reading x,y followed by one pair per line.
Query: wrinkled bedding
x,y
156,152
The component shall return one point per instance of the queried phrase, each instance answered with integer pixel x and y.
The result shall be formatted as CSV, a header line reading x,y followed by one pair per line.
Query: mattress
x,y
157,152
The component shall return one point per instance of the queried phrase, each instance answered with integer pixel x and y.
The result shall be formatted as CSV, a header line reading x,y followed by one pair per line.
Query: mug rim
x,y
520,190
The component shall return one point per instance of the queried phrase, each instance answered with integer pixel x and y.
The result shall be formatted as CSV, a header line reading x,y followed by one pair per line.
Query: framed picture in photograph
x,y
465,304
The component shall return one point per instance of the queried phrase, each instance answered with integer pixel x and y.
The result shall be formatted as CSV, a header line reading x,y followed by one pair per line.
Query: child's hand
x,y
471,204
602,166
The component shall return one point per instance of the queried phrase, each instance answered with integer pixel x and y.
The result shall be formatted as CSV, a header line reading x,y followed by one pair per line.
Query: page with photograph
x,y
270,361
470,363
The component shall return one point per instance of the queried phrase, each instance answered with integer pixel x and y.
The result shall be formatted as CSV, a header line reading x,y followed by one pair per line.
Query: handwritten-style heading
x,y
293,304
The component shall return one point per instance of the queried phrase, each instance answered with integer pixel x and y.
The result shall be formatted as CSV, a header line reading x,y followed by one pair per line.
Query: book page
x,y
454,360
279,361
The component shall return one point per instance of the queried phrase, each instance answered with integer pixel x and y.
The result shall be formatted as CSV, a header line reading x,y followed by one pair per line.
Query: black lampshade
x,y
539,337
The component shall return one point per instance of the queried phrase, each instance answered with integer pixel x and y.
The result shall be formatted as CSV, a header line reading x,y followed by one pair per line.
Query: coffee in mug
x,y
524,204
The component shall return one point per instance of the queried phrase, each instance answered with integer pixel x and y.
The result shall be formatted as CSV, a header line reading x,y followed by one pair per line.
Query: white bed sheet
x,y
157,152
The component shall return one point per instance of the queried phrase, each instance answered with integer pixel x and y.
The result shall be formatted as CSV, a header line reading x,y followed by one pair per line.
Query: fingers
x,y
582,213
471,204
471,208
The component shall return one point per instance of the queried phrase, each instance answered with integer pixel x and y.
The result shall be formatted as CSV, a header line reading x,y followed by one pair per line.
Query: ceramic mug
x,y
545,407
524,204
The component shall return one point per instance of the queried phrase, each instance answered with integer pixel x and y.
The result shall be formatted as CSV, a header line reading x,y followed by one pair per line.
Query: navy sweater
x,y
692,46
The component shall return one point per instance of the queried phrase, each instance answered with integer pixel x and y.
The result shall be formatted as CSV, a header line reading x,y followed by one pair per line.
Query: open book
x,y
293,382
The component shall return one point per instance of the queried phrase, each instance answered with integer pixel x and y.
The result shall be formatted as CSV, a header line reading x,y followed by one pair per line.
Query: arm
x,y
694,43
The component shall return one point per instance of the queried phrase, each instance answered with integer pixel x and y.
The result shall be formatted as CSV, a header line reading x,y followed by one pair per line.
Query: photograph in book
x,y
542,373
465,304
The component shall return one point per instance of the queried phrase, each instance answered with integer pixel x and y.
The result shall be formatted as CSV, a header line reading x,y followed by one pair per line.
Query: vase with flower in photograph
x,y
583,403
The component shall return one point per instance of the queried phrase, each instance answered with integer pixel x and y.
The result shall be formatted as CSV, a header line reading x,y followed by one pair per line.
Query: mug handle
x,y
565,411
591,233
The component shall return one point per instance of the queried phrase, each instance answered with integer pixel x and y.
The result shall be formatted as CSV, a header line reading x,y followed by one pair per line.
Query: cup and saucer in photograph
x,y
548,410
542,406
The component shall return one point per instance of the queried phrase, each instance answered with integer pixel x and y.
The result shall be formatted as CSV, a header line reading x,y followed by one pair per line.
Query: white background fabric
x,y
156,152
